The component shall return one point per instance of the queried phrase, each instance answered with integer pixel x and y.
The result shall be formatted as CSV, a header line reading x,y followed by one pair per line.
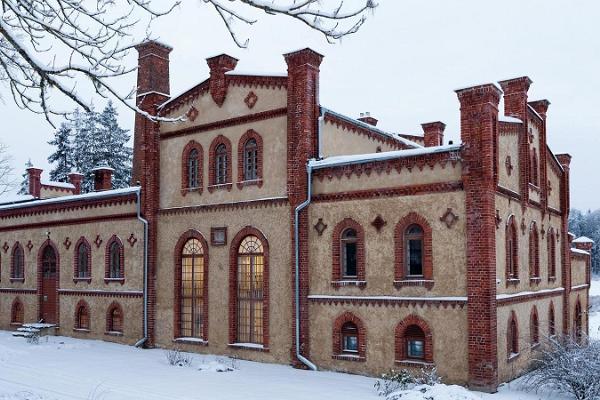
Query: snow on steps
x,y
29,330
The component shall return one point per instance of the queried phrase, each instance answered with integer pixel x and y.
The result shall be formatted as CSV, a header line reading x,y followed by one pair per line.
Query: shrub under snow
x,y
394,381
569,367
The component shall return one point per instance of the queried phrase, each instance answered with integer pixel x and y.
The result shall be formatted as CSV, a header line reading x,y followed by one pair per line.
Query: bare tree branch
x,y
7,181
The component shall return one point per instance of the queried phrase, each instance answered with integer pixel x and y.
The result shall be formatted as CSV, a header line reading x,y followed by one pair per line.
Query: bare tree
x,y
50,47
7,181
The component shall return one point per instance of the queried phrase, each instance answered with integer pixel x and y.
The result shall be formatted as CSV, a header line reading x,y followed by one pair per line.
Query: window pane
x,y
415,257
350,343
416,348
350,259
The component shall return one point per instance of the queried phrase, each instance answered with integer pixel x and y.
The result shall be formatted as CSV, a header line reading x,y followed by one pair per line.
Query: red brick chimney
x,y
433,133
515,97
35,181
219,65
102,178
583,243
75,179
368,119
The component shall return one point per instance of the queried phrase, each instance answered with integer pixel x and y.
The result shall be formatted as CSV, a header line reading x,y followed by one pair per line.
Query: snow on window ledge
x,y
348,282
118,280
413,363
191,340
249,346
251,182
349,357
513,356
113,333
86,279
426,283
81,330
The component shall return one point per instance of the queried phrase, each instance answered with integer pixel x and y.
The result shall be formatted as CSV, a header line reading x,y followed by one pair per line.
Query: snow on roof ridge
x,y
16,198
388,155
372,128
58,184
535,112
181,93
504,118
579,251
75,197
256,73
583,239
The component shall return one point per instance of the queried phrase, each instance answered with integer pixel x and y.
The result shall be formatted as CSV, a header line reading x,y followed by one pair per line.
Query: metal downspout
x,y
143,340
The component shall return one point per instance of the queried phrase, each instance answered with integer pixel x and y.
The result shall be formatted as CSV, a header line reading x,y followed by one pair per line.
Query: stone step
x,y
39,325
25,329
23,334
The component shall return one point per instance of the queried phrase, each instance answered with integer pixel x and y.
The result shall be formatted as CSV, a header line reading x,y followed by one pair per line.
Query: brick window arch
x,y
551,255
220,163
82,265
348,252
17,262
249,288
512,249
349,338
250,159
191,286
191,167
534,251
534,326
578,322
17,312
82,316
413,249
413,340
114,318
512,336
551,320
114,260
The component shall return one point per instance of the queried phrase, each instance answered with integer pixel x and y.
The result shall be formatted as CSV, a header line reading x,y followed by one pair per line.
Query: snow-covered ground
x,y
64,368
595,310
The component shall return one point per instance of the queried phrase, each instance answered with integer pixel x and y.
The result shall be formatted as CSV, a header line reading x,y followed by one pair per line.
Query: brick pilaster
x,y
541,107
35,181
479,114
302,144
565,161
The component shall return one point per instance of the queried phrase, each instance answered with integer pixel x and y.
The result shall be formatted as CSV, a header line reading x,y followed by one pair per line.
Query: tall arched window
x,y
551,321
49,262
115,259
17,268
221,164
17,312
349,253
534,252
114,319
413,239
551,255
534,327
192,290
512,249
578,325
250,160
193,168
513,336
82,316
82,259
250,299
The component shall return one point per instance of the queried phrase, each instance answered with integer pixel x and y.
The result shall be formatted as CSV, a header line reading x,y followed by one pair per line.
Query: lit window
x,y
251,262
192,289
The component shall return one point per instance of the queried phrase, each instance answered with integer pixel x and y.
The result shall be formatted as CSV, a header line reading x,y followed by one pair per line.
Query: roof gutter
x,y
143,340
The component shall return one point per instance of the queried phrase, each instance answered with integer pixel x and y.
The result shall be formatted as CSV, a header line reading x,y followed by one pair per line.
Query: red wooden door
x,y
49,285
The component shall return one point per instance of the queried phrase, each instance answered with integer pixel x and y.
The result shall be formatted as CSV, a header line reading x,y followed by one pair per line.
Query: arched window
x,y
534,252
535,327
250,295
49,262
251,160
83,259
115,267
17,312
192,290
512,249
349,338
534,168
513,336
349,253
221,164
413,239
551,255
193,169
17,268
82,317
114,319
578,325
415,342
551,321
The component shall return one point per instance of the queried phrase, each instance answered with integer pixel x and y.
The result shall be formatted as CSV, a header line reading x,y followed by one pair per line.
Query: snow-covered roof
x,y
15,198
388,155
63,185
256,73
579,251
102,168
534,112
510,119
372,128
583,239
70,198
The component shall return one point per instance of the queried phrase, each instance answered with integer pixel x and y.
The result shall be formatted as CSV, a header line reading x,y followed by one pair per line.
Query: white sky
x,y
403,67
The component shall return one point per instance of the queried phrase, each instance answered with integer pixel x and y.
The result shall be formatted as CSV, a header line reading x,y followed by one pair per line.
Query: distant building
x,y
410,252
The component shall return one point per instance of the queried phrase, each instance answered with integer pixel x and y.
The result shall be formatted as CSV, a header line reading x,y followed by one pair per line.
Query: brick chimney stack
x,y
433,133
35,181
218,66
75,179
515,97
102,178
583,243
541,107
368,119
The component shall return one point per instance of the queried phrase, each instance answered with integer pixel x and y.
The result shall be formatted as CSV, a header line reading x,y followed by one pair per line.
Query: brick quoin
x,y
302,144
479,113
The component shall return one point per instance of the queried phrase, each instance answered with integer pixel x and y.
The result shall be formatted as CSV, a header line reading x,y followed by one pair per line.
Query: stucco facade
x,y
270,228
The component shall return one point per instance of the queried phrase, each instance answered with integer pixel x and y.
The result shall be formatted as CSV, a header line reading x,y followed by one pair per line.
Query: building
x,y
268,227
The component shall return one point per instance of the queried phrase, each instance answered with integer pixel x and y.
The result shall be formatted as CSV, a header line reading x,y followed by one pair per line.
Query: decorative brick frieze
x,y
124,294
69,222
528,296
364,130
389,301
18,291
241,205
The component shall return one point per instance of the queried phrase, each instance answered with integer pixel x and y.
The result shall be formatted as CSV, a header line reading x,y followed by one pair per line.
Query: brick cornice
x,y
101,293
388,301
365,131
250,204
76,221
18,291
411,190
528,296
226,123
57,188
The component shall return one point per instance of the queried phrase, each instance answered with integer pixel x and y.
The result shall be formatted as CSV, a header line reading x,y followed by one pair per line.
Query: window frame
x,y
109,258
82,306
401,277
404,334
17,312
408,238
341,331
512,250
214,182
534,327
188,151
534,252
17,263
243,179
339,276
110,319
77,276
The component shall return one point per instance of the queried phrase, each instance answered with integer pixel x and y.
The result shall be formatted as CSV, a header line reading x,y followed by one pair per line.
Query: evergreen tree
x,y
62,156
587,224
24,187
113,147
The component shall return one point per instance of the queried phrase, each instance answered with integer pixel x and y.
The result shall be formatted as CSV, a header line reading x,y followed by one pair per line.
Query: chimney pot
x,y
75,179
367,119
102,178
433,133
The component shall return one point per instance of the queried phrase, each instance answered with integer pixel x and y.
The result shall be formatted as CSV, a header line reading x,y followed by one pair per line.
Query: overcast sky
x,y
403,67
